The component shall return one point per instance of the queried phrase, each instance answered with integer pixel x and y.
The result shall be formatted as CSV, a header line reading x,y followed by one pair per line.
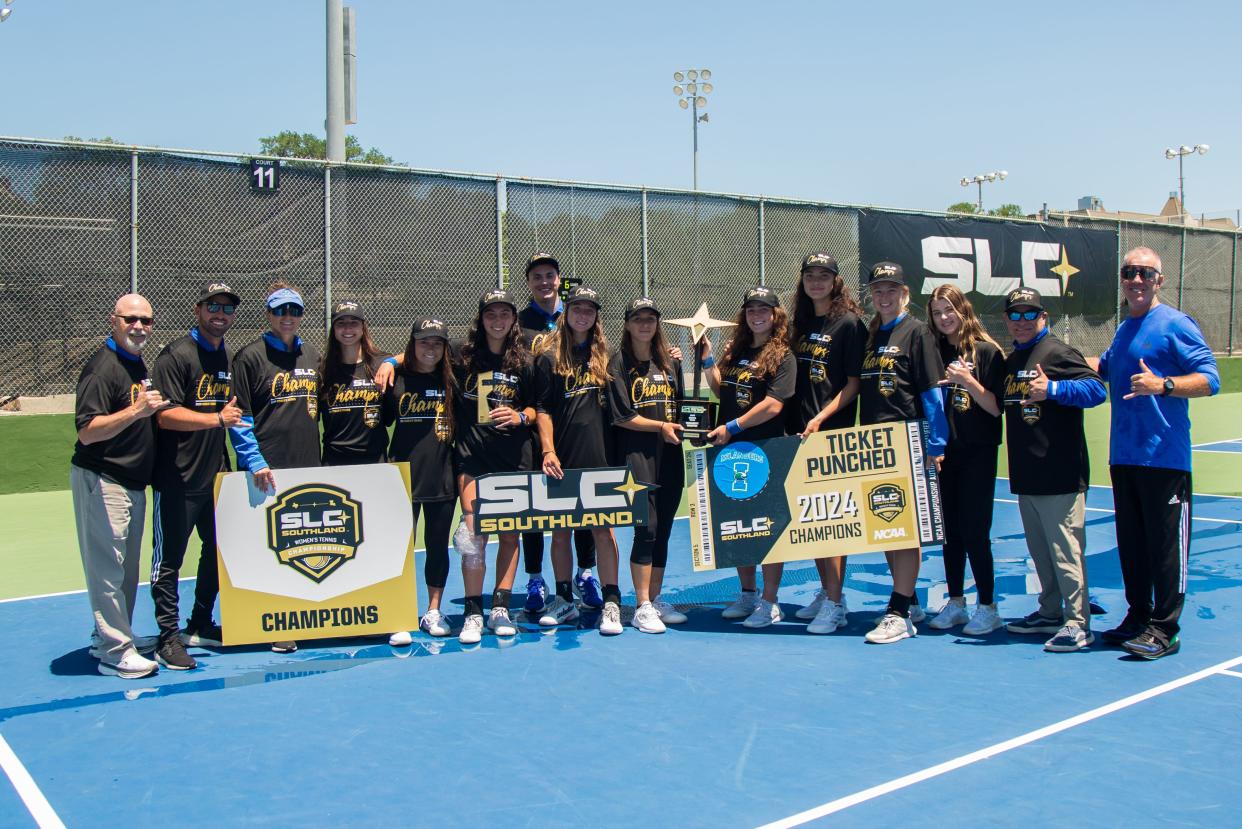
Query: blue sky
x,y
869,103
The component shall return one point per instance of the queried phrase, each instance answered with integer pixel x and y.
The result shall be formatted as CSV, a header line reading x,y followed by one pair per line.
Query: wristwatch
x,y
1168,387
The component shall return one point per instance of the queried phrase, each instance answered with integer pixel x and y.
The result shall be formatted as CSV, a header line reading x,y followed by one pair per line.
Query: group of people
x,y
540,389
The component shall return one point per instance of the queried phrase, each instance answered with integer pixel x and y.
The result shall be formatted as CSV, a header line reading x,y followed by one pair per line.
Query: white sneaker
x,y
130,666
647,619
471,629
950,616
499,624
830,617
984,621
558,612
891,628
669,615
764,614
142,644
814,608
435,623
917,614
610,619
400,639
742,607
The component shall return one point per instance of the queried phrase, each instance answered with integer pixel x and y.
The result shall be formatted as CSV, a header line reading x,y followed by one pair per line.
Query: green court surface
x,y
39,553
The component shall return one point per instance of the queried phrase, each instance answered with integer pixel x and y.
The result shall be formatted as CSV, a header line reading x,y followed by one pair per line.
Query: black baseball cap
x,y
217,287
762,294
887,272
347,308
540,258
497,296
643,303
581,293
820,259
1023,296
429,327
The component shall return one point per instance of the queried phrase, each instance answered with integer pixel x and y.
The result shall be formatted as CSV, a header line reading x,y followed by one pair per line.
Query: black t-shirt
x,y
740,390
110,382
1047,445
280,390
641,387
351,415
481,447
828,353
969,424
900,365
536,325
582,431
189,374
415,404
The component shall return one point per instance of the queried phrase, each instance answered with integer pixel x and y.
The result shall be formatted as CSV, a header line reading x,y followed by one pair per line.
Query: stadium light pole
x,y
997,175
1180,153
691,90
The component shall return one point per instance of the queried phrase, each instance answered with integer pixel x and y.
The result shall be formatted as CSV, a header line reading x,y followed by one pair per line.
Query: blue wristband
x,y
733,427
392,361
709,362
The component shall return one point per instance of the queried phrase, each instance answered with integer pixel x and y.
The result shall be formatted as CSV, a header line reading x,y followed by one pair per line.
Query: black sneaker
x,y
1034,623
1149,646
284,647
1129,628
171,654
202,634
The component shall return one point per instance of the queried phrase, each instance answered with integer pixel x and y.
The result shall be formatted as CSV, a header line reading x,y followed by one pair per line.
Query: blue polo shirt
x,y
1152,430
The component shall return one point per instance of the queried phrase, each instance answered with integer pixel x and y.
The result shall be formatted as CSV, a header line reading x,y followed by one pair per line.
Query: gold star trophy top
x,y
697,413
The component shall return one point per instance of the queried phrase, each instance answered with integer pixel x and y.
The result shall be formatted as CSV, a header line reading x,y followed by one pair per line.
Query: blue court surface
x,y
1228,447
709,724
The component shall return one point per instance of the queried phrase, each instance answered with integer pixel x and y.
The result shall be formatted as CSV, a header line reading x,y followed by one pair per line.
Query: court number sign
x,y
264,175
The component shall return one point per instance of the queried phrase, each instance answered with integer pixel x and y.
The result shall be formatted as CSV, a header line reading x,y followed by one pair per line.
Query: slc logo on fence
x,y
314,528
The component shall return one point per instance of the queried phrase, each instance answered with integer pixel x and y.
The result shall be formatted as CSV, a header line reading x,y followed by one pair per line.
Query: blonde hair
x,y
873,327
768,360
561,343
970,331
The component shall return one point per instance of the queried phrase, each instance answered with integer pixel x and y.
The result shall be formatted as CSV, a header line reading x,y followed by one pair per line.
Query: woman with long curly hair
x,y
901,373
493,434
755,377
827,338
419,406
570,377
349,399
975,380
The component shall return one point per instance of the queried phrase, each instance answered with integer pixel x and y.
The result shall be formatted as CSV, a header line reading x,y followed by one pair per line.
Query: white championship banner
x,y
331,553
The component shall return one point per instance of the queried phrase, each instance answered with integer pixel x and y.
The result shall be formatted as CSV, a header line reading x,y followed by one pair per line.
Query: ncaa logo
x,y
741,471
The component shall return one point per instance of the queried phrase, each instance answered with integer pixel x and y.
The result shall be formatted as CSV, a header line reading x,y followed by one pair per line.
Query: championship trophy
x,y
697,413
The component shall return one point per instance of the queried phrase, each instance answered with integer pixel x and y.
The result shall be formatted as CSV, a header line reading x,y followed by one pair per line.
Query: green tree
x,y
962,207
107,139
289,144
1008,210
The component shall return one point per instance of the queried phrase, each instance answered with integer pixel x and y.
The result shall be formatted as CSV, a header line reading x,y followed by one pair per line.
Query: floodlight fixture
x,y
692,75
679,77
692,95
995,175
1180,153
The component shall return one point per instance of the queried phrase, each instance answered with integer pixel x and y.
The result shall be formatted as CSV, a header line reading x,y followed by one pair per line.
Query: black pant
x,y
651,541
967,488
532,550
175,515
436,529
1153,509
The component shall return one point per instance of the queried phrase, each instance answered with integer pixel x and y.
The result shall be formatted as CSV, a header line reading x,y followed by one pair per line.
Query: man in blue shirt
x,y
1157,360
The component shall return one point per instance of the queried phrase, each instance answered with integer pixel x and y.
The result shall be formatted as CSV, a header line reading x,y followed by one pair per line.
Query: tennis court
x,y
708,725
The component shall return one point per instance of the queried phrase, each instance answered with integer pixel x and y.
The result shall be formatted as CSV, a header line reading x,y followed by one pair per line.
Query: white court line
x,y
1102,509
1195,494
1232,673
1214,442
43,813
863,796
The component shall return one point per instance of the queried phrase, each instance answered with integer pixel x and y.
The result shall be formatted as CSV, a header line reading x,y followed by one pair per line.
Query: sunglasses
x,y
218,307
130,319
286,310
1029,316
1129,273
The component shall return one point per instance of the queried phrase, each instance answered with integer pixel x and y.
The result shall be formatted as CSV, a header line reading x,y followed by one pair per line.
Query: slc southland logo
x,y
887,501
741,471
314,528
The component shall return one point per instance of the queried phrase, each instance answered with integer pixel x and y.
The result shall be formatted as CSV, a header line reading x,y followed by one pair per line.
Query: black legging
x,y
967,487
438,524
532,550
651,541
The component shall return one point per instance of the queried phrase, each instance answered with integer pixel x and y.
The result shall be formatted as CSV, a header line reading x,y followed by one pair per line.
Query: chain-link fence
x,y
80,225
